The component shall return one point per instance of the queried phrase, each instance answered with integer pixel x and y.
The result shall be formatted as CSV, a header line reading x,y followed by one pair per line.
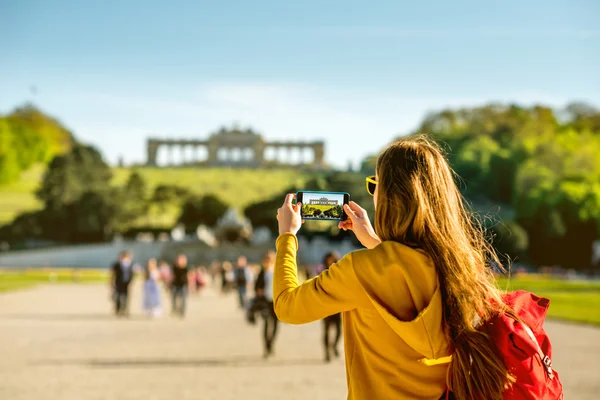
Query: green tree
x,y
583,116
545,171
27,225
264,213
510,240
92,218
367,166
58,139
69,176
27,137
133,201
168,194
9,165
202,210
29,145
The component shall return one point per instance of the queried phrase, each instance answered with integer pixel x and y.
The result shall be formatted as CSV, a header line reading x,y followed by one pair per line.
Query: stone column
x,y
212,149
182,154
319,150
152,152
170,154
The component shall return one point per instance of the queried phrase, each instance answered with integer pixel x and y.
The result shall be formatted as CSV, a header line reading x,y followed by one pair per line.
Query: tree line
x,y
532,174
80,205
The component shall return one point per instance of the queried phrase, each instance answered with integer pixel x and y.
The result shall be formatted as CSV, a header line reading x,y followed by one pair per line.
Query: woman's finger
x,y
358,210
345,225
288,199
349,211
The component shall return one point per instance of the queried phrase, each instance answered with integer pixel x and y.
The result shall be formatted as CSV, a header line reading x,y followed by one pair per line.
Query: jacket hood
x,y
403,287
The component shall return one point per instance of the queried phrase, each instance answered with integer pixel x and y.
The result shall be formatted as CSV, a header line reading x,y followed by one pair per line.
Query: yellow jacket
x,y
392,317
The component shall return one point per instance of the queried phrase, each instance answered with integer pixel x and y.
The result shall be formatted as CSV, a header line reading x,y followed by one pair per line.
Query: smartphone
x,y
323,206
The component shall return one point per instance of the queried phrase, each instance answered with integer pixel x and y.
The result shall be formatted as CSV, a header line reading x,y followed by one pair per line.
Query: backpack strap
x,y
543,358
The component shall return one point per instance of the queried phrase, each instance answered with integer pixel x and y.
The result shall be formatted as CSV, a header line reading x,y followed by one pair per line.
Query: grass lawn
x,y
21,279
237,187
19,196
577,301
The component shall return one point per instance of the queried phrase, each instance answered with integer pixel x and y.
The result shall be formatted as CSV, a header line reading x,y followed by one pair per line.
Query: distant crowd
x,y
251,283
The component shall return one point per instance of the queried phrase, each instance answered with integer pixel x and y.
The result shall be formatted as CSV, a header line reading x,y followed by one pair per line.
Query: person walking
x,y
243,278
413,300
179,285
152,303
165,273
121,277
264,290
333,321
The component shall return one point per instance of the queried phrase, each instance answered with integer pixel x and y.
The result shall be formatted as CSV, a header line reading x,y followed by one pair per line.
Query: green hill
x,y
28,137
18,196
238,187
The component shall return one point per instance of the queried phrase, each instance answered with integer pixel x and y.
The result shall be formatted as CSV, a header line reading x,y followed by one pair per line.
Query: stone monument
x,y
235,148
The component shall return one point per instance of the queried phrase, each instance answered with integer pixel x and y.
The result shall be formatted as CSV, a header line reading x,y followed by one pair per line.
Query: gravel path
x,y
61,342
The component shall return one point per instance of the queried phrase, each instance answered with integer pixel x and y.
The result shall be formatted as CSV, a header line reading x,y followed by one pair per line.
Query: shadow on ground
x,y
236,361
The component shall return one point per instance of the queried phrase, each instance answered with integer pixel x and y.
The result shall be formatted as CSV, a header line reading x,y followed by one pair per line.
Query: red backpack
x,y
525,348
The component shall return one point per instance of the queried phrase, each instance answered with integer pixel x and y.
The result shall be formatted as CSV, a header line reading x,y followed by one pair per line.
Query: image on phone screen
x,y
323,205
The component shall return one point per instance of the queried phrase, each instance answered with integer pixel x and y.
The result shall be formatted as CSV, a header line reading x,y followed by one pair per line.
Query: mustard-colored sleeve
x,y
334,290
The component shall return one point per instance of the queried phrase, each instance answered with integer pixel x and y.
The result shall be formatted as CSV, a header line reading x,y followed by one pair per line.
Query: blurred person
x,y
243,278
222,273
332,321
179,285
152,302
308,272
121,277
198,279
214,271
413,300
165,272
201,278
227,277
264,293
192,287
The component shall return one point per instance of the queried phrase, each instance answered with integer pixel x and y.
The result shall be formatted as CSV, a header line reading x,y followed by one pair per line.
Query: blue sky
x,y
353,73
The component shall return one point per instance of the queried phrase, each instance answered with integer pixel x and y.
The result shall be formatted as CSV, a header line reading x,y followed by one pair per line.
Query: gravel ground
x,y
62,342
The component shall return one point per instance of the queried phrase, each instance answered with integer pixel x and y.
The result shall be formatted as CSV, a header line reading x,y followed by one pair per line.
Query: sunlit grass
x,y
19,196
27,278
577,301
237,187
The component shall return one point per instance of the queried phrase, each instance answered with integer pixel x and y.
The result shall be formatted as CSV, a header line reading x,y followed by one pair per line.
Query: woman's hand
x,y
358,222
288,216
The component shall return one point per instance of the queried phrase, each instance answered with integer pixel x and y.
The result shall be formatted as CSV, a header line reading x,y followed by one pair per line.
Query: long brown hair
x,y
419,204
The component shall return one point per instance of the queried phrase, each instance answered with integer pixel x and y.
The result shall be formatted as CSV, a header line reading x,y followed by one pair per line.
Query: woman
x,y
264,290
179,285
152,304
165,273
414,296
331,321
227,277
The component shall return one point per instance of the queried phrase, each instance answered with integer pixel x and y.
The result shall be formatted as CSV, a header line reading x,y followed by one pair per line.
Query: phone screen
x,y
323,205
